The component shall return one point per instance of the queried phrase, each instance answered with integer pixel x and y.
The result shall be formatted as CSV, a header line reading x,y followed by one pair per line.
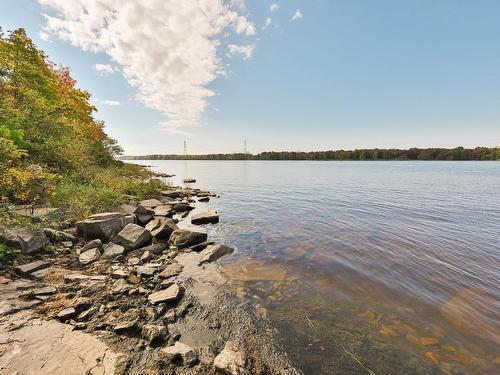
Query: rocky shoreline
x,y
129,292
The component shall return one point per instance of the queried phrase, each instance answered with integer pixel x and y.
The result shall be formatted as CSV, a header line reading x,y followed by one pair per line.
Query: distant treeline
x,y
459,153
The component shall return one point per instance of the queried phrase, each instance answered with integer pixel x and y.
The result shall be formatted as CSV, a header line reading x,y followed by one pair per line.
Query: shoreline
x,y
157,305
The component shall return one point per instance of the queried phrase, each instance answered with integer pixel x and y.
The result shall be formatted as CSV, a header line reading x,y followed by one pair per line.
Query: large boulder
x,y
161,228
132,236
183,238
103,226
151,203
163,210
182,207
144,214
26,239
206,217
214,252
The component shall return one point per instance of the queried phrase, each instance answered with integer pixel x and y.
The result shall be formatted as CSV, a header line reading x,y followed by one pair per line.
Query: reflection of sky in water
x,y
372,232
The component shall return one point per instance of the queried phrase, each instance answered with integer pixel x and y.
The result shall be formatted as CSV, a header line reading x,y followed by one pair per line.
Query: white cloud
x,y
105,68
274,7
268,23
298,15
244,51
44,36
169,50
112,103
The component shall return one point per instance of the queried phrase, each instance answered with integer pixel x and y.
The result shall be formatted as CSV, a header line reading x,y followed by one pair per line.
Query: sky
x,y
282,75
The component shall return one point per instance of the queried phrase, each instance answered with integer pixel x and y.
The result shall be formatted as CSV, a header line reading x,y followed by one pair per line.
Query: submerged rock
x,y
183,238
171,270
207,217
132,236
26,239
104,225
214,252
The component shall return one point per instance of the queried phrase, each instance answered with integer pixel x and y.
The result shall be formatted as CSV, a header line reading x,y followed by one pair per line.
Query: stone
x,y
206,355
89,256
113,250
66,313
183,238
104,226
92,245
133,261
120,286
144,214
132,237
124,327
146,256
45,290
155,249
231,361
172,194
206,217
204,199
26,239
29,268
58,235
154,334
75,277
119,274
171,270
182,207
163,210
189,180
67,244
214,252
150,203
171,294
180,351
201,246
161,228
146,271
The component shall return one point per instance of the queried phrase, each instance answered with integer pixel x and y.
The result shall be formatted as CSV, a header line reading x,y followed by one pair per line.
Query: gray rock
x,y
144,214
182,207
172,194
171,270
231,361
89,256
103,226
146,256
29,268
154,334
132,236
180,350
113,250
204,199
75,277
67,244
163,210
161,228
120,286
214,252
189,180
58,235
183,238
151,203
66,313
97,243
119,274
26,239
207,217
171,294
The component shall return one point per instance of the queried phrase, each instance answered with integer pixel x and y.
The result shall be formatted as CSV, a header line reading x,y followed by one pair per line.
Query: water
x,y
390,267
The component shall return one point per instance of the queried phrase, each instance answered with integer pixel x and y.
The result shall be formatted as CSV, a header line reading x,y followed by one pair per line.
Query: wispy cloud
x,y
268,23
244,51
274,7
170,51
298,15
105,69
111,103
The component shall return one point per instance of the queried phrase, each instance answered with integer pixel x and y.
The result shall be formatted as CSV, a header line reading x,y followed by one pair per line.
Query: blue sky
x,y
342,74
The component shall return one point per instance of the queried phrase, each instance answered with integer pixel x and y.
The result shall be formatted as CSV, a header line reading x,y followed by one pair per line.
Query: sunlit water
x,y
390,267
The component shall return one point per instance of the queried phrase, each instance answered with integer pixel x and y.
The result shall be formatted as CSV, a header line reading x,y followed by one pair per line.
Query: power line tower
x,y
245,151
185,149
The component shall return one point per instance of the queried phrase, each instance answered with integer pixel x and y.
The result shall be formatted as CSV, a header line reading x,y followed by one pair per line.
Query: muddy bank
x,y
131,293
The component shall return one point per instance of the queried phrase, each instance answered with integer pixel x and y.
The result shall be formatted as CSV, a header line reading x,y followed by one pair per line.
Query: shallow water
x,y
389,267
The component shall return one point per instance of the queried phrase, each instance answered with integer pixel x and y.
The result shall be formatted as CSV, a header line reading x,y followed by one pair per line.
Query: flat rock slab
x,y
29,268
151,203
50,347
163,210
171,294
214,252
207,217
171,270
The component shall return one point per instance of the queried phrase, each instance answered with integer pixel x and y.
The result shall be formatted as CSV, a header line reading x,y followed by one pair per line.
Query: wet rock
x,y
154,334
66,313
189,180
201,246
26,239
104,225
183,238
207,217
113,250
163,210
180,351
161,228
214,252
89,256
144,214
171,270
29,268
231,361
92,245
172,294
132,236
58,235
150,203
203,199
182,207
172,194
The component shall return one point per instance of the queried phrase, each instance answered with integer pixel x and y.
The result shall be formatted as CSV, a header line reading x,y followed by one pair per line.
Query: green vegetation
x,y
458,153
7,252
53,151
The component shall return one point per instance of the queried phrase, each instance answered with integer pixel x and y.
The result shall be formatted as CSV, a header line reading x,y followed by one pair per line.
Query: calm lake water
x,y
365,267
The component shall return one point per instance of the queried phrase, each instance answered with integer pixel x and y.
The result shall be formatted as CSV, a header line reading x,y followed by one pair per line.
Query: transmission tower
x,y
185,149
245,151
